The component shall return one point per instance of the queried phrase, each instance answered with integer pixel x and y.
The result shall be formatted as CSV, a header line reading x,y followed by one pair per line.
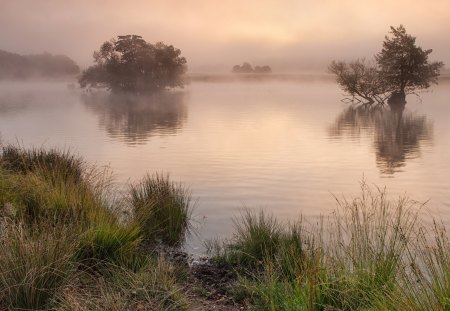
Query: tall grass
x,y
368,241
360,258
110,243
162,208
34,266
154,288
52,186
58,223
47,161
257,236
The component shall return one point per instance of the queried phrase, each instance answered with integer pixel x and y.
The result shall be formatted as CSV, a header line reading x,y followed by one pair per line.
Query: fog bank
x,y
288,35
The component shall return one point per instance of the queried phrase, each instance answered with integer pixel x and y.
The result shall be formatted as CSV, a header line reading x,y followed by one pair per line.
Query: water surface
x,y
285,146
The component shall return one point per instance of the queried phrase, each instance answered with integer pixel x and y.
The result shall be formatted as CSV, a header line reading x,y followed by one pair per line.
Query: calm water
x,y
284,146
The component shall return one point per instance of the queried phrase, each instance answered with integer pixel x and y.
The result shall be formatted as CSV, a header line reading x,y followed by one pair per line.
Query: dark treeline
x,y
15,66
247,68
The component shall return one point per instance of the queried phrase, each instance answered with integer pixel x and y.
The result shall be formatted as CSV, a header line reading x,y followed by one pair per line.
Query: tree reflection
x,y
134,118
397,135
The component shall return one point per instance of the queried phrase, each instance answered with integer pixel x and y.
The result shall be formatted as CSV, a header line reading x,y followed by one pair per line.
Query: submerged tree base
x,y
397,101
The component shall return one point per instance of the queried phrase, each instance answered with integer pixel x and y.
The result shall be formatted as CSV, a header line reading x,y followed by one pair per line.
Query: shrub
x,y
162,209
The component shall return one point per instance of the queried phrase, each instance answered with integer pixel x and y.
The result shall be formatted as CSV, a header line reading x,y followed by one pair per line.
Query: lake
x,y
287,146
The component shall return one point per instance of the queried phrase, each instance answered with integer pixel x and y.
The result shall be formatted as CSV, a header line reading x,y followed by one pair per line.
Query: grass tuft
x,y
162,208
34,266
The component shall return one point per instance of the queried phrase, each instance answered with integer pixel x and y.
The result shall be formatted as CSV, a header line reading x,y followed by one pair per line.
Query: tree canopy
x,y
129,63
401,67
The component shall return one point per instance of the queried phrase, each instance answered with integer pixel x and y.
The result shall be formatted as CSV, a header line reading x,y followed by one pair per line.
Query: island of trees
x,y
15,66
247,68
131,64
400,68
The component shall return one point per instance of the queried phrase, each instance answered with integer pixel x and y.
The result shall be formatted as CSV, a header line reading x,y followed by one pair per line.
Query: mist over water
x,y
286,146
288,35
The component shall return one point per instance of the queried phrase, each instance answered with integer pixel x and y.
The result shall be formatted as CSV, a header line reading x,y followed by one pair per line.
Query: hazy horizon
x,y
287,35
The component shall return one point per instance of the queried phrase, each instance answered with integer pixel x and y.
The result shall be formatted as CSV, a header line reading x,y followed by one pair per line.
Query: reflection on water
x,y
258,145
132,119
397,136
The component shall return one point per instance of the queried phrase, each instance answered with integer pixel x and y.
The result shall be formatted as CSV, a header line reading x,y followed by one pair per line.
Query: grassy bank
x,y
68,244
371,254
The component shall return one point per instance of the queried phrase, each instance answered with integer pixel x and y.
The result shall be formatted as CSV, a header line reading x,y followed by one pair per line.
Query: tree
x,y
400,68
132,64
263,69
245,68
403,65
359,79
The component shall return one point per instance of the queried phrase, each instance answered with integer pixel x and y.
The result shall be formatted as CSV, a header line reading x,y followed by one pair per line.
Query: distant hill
x,y
15,66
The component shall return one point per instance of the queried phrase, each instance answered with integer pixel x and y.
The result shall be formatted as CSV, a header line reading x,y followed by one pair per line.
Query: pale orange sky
x,y
214,35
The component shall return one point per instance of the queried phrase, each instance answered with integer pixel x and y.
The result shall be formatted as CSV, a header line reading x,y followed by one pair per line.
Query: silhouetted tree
x,y
401,67
263,69
404,66
132,64
359,78
245,68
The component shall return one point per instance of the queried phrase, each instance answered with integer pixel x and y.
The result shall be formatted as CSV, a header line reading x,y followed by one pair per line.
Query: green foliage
x,y
162,209
403,65
131,64
108,242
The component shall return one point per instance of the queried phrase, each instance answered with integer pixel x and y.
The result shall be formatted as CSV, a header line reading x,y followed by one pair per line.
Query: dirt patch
x,y
208,284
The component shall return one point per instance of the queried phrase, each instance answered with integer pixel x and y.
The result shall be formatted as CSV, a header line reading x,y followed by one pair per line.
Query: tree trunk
x,y
397,101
